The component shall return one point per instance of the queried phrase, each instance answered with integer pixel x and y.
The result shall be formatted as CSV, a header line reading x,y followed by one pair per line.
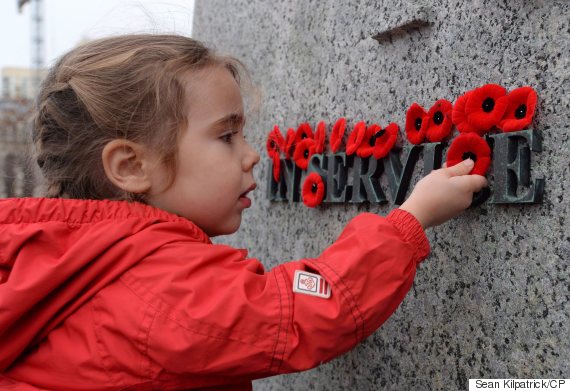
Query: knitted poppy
x,y
385,140
439,121
355,137
303,131
416,123
485,106
520,110
470,145
365,148
275,142
459,117
337,134
290,143
303,152
276,167
313,190
320,137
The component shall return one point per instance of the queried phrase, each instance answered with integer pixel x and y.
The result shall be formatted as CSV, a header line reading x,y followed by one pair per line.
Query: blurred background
x,y
33,34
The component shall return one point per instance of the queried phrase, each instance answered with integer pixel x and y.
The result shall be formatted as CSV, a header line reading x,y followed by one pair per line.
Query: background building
x,y
19,89
19,176
20,83
492,299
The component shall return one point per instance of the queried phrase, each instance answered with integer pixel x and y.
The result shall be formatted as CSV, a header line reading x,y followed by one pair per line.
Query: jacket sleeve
x,y
220,314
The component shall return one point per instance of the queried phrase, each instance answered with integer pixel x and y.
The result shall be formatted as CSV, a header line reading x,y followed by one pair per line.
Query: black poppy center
x,y
376,136
314,188
438,118
488,105
272,144
418,123
520,112
469,155
306,154
303,136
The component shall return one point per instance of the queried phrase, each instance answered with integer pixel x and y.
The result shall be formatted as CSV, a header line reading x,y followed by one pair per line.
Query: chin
x,y
227,229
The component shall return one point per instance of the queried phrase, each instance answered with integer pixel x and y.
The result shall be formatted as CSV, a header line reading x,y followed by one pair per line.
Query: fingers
x,y
471,183
477,183
462,168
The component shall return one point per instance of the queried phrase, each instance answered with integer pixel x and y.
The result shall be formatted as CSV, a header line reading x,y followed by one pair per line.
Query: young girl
x,y
111,280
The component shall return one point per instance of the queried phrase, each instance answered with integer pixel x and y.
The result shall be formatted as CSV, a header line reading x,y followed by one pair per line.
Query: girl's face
x,y
215,163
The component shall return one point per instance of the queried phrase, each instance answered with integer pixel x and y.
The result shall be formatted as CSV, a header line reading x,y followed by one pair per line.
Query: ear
x,y
127,165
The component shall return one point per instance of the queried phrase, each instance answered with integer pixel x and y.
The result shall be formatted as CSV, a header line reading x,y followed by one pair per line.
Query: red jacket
x,y
106,295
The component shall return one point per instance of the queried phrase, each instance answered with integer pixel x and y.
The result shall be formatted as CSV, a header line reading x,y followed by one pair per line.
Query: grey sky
x,y
67,22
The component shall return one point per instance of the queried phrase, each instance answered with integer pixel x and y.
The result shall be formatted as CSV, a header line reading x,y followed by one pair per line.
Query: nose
x,y
251,158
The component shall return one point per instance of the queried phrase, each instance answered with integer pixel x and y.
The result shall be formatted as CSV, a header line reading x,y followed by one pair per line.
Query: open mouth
x,y
243,197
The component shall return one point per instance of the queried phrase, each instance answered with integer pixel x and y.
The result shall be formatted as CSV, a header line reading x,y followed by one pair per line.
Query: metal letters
x,y
511,161
511,169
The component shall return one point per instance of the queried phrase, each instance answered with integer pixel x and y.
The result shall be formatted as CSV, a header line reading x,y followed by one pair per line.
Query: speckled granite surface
x,y
492,300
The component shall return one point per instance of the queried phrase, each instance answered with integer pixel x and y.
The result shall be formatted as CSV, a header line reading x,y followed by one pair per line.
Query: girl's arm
x,y
215,316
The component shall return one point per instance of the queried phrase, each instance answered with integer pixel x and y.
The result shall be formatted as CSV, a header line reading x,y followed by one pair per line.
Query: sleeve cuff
x,y
412,231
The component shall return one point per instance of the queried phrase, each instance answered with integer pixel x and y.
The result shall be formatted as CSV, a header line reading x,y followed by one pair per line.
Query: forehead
x,y
211,93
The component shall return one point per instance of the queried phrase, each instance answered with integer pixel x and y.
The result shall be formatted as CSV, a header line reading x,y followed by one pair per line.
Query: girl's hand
x,y
444,194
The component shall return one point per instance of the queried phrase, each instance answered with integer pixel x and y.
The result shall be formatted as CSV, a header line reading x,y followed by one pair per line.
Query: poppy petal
x,y
290,143
355,137
470,145
366,147
386,141
337,134
276,167
416,123
303,152
275,142
485,106
313,190
320,137
459,118
439,121
520,110
303,131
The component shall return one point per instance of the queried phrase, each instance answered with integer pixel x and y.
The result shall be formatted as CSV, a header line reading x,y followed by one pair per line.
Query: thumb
x,y
462,168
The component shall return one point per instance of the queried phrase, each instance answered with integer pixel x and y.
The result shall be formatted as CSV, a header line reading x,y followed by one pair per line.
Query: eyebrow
x,y
232,119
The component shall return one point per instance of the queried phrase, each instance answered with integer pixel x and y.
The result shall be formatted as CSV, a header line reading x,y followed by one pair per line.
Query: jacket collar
x,y
77,212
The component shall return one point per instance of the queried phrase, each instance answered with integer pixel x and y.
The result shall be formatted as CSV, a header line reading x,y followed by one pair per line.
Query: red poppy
x,y
385,140
303,152
320,137
520,110
290,143
439,121
337,134
275,142
356,137
313,190
303,131
459,117
485,106
416,123
276,167
366,147
470,145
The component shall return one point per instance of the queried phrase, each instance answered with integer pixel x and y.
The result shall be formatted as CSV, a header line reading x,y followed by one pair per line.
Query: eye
x,y
228,137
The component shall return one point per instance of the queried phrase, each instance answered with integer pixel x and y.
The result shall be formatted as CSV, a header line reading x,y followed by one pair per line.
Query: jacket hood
x,y
55,254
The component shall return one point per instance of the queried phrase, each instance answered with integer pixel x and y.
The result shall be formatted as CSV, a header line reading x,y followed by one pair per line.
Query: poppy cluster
x,y
434,126
301,144
474,114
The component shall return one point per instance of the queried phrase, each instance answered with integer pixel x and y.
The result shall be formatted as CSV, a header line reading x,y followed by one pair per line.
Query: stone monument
x,y
492,299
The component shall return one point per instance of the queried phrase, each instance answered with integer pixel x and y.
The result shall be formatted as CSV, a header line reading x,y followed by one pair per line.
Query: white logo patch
x,y
311,284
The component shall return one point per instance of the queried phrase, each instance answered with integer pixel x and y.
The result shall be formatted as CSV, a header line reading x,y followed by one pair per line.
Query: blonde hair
x,y
124,87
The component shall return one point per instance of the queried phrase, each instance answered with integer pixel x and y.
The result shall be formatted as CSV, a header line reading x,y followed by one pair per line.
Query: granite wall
x,y
492,299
